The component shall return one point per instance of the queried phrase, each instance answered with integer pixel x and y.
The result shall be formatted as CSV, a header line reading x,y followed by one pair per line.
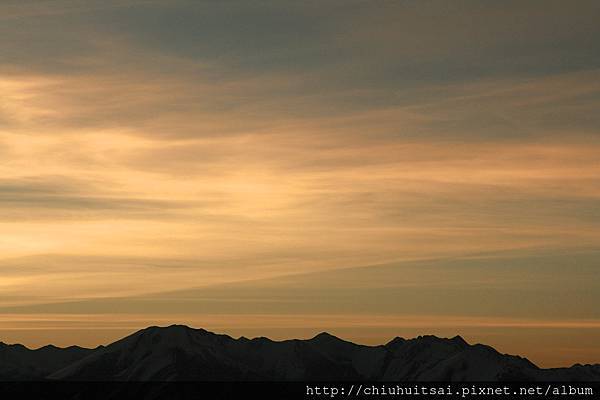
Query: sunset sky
x,y
270,168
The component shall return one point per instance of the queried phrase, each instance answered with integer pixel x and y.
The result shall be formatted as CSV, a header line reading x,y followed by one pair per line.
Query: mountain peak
x,y
459,340
50,347
325,335
171,330
432,338
396,341
172,327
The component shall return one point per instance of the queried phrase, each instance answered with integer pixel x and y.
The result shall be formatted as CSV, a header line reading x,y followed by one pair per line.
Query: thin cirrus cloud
x,y
156,147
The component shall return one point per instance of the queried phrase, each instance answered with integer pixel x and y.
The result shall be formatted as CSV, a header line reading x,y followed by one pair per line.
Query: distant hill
x,y
20,363
180,353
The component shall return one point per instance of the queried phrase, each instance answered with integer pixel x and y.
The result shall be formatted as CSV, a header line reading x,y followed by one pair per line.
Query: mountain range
x,y
180,353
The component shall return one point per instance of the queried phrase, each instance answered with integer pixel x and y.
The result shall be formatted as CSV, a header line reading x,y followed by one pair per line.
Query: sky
x,y
271,168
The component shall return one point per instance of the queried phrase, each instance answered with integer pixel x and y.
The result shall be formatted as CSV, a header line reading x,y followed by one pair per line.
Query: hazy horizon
x,y
372,169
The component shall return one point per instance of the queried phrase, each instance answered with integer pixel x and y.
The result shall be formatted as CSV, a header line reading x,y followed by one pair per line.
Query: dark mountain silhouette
x,y
180,353
17,362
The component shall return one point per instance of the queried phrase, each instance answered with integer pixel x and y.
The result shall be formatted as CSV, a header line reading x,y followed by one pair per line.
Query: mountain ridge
x,y
180,353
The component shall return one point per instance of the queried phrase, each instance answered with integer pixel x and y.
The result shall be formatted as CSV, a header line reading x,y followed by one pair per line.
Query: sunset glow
x,y
285,168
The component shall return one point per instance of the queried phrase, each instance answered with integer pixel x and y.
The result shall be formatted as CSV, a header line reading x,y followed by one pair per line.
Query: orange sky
x,y
372,170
